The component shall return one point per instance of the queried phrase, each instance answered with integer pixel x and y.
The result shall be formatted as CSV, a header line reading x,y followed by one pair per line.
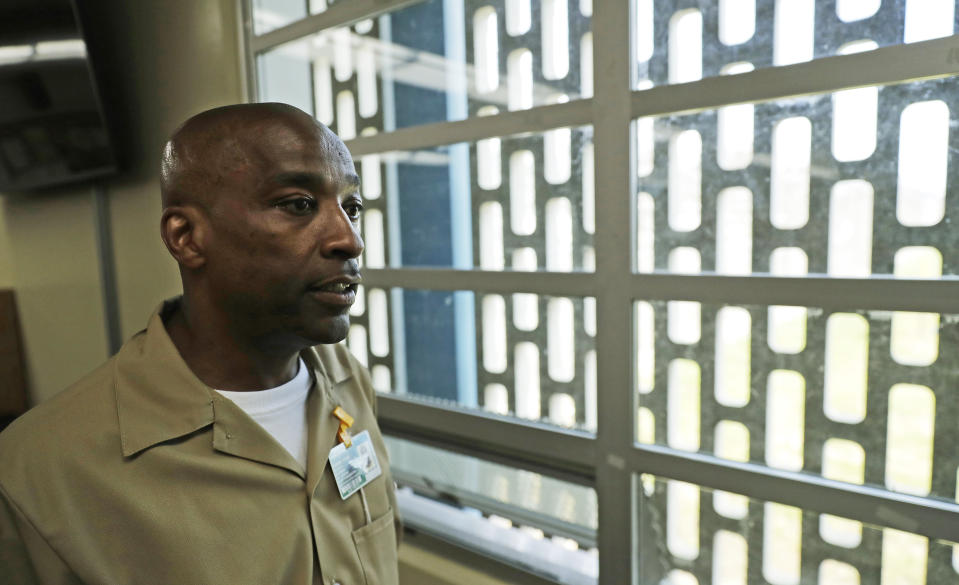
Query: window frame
x,y
612,459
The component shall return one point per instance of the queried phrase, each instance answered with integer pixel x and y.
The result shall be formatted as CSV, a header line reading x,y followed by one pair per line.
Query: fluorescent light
x,y
75,48
15,54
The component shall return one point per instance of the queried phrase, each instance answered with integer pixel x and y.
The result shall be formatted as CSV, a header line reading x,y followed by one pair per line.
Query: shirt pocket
x,y
376,547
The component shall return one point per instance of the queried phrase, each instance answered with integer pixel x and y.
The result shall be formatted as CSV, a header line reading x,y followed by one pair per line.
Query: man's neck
x,y
221,359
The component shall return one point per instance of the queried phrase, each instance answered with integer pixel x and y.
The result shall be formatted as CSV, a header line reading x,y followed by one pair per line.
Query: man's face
x,y
284,241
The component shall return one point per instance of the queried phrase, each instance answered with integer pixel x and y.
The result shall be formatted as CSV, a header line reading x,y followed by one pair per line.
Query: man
x,y
171,463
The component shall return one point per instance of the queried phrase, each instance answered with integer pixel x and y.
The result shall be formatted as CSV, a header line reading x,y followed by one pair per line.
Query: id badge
x,y
354,466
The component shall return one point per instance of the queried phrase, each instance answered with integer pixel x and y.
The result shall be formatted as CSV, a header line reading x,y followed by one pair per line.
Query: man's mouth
x,y
339,291
336,287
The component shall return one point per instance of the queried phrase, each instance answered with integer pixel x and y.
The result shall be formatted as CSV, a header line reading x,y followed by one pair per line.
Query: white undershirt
x,y
280,410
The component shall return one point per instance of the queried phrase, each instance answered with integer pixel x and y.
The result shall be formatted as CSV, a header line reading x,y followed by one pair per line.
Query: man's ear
x,y
183,229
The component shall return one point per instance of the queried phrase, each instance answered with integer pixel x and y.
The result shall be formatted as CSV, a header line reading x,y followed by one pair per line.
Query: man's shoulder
x,y
61,427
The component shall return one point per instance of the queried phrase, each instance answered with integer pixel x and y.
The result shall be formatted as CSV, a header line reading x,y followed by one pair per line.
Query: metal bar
x,y
561,453
572,455
446,531
880,293
340,14
868,504
524,516
575,284
538,119
105,260
248,75
887,65
614,179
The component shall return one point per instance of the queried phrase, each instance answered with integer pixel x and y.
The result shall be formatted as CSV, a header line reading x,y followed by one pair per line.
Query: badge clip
x,y
344,416
346,421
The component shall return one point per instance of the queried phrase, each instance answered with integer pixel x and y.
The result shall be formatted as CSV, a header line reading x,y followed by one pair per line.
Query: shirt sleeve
x,y
25,556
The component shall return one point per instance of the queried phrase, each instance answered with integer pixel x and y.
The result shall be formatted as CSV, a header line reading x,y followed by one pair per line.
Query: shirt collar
x,y
158,396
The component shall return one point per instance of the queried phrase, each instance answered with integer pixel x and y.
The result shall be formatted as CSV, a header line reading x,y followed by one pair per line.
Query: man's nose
x,y
340,236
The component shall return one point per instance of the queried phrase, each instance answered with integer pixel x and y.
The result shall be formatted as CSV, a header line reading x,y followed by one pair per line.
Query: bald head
x,y
261,210
235,164
214,148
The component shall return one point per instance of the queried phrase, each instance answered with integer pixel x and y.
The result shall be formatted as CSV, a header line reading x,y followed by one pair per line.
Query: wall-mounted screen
x,y
52,128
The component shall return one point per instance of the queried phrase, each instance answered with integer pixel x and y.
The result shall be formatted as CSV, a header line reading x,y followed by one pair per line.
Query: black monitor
x,y
52,125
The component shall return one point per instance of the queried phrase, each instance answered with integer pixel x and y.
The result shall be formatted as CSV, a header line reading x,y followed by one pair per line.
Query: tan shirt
x,y
141,474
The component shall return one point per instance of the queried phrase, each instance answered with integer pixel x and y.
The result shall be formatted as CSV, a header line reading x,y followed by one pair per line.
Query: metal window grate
x,y
827,189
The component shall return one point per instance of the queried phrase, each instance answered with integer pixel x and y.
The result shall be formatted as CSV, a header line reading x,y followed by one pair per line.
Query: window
x,y
663,289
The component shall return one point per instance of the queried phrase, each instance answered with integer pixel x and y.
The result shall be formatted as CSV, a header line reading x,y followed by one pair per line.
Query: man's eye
x,y
298,206
353,210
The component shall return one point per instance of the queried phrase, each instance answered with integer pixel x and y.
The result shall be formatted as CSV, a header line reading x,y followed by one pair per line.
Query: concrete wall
x,y
57,288
180,57
161,61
